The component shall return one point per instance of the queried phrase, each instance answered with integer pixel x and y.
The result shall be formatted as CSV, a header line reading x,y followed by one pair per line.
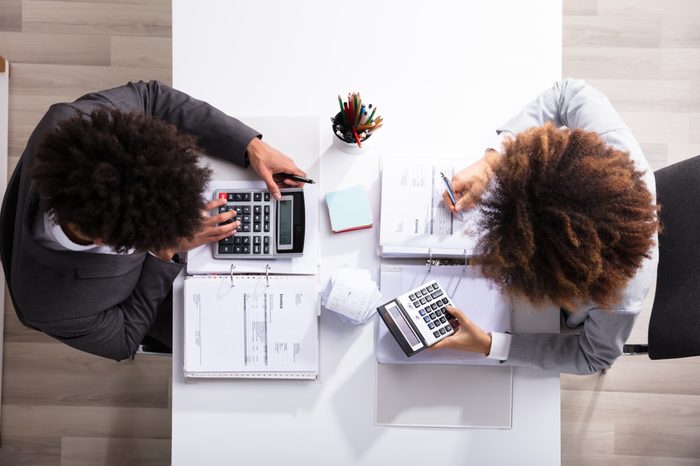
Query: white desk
x,y
277,58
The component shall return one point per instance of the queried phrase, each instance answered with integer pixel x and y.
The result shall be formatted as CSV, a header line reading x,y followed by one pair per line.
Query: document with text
x,y
251,326
415,222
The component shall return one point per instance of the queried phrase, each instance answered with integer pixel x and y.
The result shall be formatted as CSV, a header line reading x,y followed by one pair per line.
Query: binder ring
x,y
233,266
267,275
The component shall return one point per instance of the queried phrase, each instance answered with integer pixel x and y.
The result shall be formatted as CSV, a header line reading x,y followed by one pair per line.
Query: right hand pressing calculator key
x,y
268,229
419,319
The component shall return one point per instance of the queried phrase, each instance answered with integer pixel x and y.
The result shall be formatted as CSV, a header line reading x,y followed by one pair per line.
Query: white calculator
x,y
419,319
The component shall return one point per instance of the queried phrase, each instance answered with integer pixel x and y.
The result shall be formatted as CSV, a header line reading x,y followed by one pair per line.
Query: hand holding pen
x,y
451,193
469,184
268,162
280,177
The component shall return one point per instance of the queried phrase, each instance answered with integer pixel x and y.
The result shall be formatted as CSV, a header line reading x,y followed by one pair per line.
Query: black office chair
x,y
674,328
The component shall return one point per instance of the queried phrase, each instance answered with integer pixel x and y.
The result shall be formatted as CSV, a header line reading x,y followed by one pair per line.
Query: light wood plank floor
x,y
61,406
645,55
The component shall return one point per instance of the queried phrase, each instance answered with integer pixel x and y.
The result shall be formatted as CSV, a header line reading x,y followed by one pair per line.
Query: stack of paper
x,y
352,294
349,209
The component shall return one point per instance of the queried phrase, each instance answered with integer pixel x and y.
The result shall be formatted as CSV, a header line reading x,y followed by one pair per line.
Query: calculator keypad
x,y
428,308
253,235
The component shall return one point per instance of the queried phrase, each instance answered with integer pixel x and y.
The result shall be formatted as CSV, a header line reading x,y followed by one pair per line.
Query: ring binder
x,y
486,307
253,318
261,327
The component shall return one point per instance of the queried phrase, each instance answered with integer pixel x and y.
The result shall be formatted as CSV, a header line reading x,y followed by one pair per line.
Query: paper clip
x,y
430,259
233,266
466,261
267,275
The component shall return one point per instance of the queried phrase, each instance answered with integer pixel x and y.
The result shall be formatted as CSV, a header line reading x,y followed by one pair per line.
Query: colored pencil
x,y
357,138
342,110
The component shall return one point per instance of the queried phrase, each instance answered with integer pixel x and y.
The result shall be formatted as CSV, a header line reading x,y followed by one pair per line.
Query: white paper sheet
x,y
352,294
250,327
414,218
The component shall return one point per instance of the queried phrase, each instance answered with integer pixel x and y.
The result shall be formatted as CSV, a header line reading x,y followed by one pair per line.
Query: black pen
x,y
289,176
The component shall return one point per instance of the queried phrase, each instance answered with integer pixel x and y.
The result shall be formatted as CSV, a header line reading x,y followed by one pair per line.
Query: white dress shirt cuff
x,y
500,346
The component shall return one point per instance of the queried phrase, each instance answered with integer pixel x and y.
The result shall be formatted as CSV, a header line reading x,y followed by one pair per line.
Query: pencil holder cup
x,y
344,140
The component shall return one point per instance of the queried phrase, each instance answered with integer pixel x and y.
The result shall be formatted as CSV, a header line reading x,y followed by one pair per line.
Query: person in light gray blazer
x,y
110,190
569,216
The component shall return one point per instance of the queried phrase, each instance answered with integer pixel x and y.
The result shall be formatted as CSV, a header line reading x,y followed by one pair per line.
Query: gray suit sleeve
x,y
571,103
117,332
587,350
220,135
123,327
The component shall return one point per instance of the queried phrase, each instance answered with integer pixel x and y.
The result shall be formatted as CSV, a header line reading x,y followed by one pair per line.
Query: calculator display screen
x,y
285,223
406,329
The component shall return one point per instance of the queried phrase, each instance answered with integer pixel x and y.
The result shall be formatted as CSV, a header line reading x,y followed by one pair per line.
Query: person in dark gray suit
x,y
110,191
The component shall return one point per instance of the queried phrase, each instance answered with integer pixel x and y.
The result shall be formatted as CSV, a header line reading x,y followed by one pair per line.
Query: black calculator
x,y
419,319
268,228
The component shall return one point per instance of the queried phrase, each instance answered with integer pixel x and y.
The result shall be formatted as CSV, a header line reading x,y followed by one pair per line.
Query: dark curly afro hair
x,y
129,180
567,218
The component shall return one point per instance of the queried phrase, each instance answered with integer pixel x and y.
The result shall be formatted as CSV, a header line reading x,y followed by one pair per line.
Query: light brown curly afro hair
x,y
567,218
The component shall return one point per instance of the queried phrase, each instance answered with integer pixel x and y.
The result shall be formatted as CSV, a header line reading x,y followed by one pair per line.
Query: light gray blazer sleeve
x,y
587,350
571,103
598,341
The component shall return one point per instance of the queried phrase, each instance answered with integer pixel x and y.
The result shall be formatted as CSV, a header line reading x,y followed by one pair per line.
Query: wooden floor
x,y
60,406
645,55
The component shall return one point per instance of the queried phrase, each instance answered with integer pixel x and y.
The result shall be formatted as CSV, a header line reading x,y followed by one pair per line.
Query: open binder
x,y
432,244
417,224
253,318
477,392
484,305
251,326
